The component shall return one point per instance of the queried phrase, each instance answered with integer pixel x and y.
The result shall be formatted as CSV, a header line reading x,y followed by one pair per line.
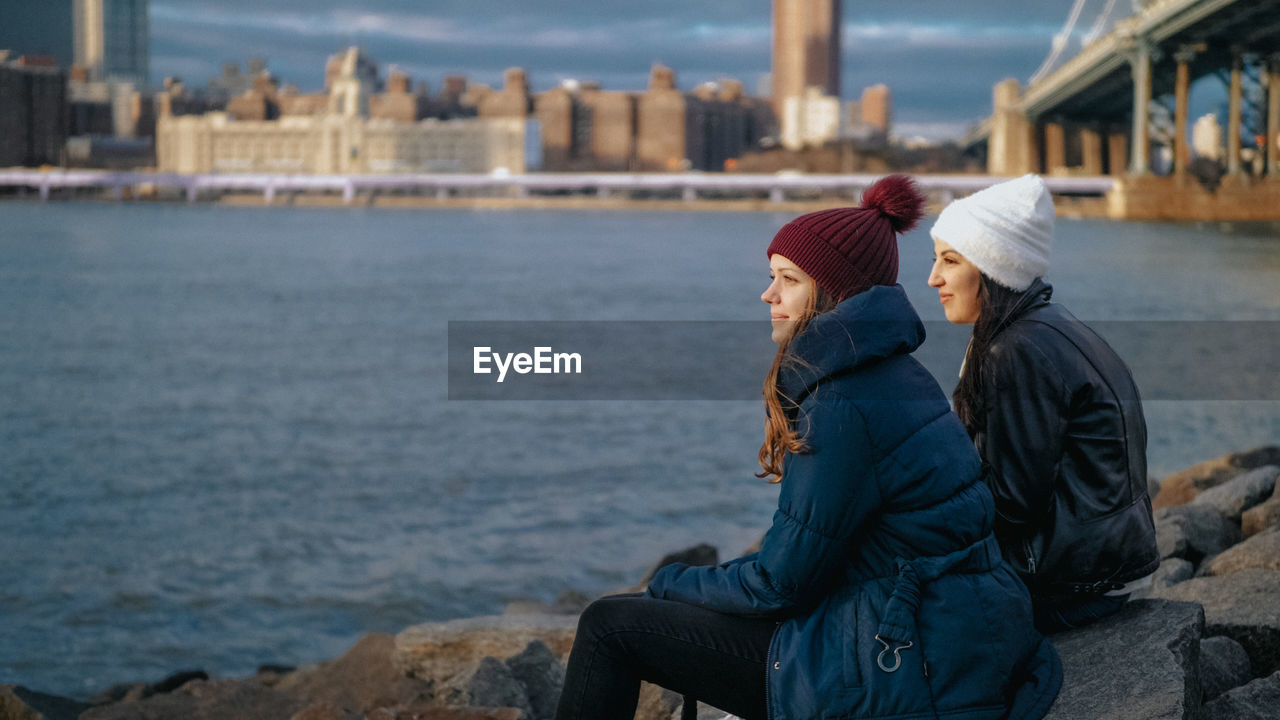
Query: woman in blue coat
x,y
879,590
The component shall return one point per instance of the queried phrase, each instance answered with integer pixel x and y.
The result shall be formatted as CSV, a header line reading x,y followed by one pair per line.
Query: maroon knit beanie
x,y
849,250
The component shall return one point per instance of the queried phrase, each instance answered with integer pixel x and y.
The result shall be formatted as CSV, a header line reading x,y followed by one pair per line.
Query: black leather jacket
x,y
1064,441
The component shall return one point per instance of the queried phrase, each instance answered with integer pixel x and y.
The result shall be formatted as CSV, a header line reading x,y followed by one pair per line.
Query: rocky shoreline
x,y
1202,643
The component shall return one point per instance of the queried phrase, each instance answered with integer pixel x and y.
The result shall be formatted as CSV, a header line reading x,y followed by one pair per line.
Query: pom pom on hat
x,y
1005,230
849,250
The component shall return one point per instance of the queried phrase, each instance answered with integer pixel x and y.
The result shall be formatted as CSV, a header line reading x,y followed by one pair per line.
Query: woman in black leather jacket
x,y
1052,409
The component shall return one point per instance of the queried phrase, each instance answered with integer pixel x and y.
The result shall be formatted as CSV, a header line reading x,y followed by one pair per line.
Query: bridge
x,y
1094,113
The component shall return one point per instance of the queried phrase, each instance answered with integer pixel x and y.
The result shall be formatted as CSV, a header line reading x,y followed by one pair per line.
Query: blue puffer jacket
x,y
891,596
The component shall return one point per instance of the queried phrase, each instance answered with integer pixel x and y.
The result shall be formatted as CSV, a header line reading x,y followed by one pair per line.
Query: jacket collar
x,y
864,329
1034,297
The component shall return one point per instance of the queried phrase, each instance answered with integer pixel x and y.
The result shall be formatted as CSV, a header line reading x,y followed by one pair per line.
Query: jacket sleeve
x,y
828,492
1027,401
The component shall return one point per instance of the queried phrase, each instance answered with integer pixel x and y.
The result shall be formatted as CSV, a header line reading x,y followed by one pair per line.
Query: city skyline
x,y
940,61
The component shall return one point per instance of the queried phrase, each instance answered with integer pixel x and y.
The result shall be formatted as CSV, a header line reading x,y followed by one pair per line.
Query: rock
x,y
1153,486
541,674
1142,662
493,685
656,703
1256,701
569,602
1193,531
1183,486
360,680
1260,552
1235,496
702,554
1171,572
19,703
1260,517
436,652
1223,665
206,700
324,711
1243,606
422,712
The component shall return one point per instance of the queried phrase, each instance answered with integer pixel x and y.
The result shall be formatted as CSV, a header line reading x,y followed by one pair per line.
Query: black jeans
x,y
623,639
1055,613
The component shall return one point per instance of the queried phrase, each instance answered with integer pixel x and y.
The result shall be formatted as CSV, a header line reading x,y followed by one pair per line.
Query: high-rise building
x,y
806,49
112,40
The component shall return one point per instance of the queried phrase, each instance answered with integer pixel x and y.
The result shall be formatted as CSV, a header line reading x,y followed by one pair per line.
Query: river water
x,y
226,438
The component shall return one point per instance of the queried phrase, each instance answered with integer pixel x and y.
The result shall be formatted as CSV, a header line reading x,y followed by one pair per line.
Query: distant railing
x,y
690,186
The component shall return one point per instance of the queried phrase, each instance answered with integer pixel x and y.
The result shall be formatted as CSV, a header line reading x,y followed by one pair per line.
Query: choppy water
x,y
225,439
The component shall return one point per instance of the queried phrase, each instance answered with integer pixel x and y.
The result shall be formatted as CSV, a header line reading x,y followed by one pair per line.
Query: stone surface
x,y
493,685
1183,486
1223,665
1263,516
361,679
1244,606
19,703
1260,552
422,712
324,711
1142,662
1192,532
1240,493
436,652
1258,700
1171,572
13,707
206,700
569,602
542,675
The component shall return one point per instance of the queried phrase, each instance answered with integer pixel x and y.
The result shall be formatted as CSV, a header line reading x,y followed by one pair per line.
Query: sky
x,y
940,58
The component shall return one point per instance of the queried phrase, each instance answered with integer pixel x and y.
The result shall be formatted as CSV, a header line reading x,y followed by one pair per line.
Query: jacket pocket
x,y
849,636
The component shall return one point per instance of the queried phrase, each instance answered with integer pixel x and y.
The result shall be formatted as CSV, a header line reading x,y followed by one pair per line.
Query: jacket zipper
x,y
1031,560
769,665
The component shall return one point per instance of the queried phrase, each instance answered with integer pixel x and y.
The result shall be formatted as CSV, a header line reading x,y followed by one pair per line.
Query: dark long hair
x,y
780,436
996,305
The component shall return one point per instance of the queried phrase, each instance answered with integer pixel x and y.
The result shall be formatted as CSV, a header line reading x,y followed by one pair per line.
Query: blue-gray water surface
x,y
225,437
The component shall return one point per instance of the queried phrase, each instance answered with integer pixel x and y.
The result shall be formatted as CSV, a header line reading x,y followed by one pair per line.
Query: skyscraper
x,y
112,39
806,49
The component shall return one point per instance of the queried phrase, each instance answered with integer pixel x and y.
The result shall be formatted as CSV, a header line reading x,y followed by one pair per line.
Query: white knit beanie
x,y
1005,230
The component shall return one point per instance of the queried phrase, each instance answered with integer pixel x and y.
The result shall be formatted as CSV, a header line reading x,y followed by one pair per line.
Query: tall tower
x,y
806,49
113,39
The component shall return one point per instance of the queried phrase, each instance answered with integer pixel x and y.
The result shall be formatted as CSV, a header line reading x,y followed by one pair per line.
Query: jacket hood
x,y
864,329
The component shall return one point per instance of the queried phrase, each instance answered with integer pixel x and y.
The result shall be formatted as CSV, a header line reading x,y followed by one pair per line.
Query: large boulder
x,y
1192,532
206,700
1259,700
1223,665
436,652
1171,572
1240,493
541,674
1244,606
360,680
19,703
1263,516
1142,662
1260,552
1183,486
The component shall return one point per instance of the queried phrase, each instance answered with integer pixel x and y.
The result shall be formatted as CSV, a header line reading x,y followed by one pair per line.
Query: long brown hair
x,y
996,304
780,436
